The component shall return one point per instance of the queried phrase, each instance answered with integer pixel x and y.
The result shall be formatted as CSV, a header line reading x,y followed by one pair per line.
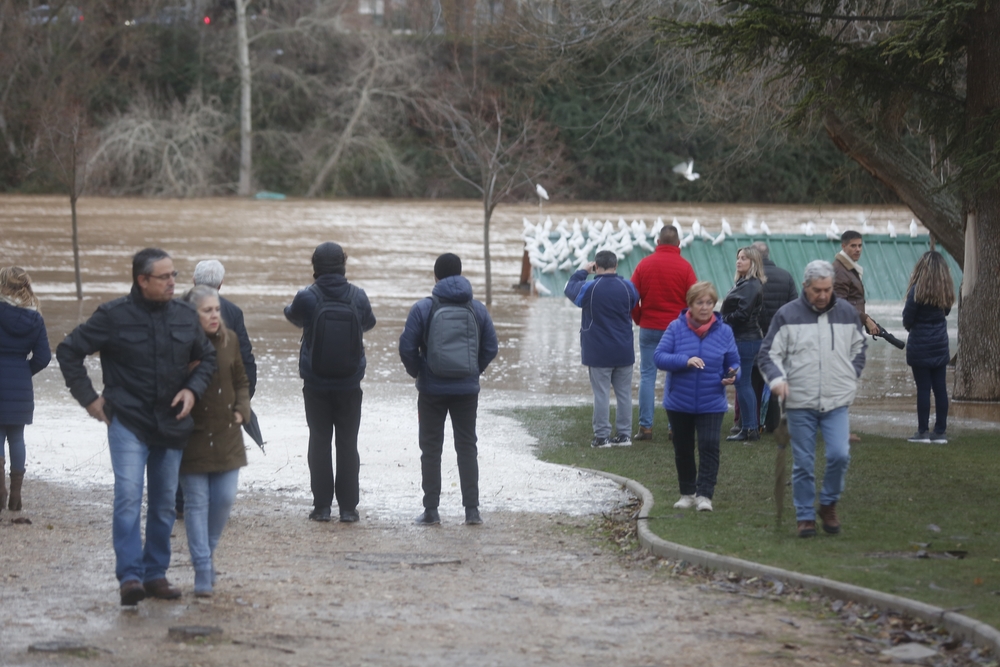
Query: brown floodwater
x,y
391,245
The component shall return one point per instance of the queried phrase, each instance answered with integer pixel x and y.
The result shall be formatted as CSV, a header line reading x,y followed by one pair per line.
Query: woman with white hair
x,y
213,457
741,311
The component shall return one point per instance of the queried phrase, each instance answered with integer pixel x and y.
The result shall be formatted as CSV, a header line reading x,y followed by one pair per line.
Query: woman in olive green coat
x,y
213,458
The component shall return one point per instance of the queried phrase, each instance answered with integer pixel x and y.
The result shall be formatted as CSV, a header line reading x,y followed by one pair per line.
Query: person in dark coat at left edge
x,y
24,351
147,343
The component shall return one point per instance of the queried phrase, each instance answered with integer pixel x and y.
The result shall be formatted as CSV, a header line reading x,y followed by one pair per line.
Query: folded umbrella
x,y
252,428
782,438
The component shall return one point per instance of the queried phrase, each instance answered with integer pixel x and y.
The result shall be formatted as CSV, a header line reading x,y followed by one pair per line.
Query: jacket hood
x,y
18,321
453,288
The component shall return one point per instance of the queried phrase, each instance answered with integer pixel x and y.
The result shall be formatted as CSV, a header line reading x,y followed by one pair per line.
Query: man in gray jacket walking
x,y
812,358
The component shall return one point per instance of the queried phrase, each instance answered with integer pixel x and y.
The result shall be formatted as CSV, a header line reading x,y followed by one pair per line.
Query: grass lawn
x,y
900,498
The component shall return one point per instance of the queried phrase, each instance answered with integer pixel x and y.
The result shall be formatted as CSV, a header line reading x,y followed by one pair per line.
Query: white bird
x,y
726,227
866,227
749,226
764,228
890,229
809,228
541,191
686,169
913,228
542,289
832,235
657,226
720,238
696,228
705,234
567,265
686,241
680,230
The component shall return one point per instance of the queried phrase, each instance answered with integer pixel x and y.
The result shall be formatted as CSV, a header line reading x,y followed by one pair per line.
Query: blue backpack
x,y
336,343
452,339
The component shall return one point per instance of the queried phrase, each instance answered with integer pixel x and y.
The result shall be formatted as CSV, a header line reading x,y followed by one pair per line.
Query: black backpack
x,y
452,339
336,343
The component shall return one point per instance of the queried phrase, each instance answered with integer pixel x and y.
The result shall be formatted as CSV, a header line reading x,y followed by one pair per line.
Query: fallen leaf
x,y
978,581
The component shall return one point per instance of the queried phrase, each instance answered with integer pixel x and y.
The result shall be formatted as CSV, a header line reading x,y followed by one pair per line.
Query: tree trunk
x,y
487,214
243,47
977,372
910,179
76,248
331,163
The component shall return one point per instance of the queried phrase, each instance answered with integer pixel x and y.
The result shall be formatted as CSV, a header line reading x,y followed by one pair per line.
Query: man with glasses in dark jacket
x,y
156,361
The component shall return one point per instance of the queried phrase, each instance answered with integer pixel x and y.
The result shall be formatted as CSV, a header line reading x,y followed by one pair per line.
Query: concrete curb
x,y
979,633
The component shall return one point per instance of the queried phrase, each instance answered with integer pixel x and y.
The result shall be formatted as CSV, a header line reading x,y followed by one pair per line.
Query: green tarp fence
x,y
887,262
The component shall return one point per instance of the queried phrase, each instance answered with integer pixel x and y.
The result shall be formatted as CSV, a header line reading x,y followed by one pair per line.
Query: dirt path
x,y
523,589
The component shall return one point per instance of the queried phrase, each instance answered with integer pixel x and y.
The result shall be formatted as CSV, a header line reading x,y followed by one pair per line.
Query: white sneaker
x,y
686,502
703,504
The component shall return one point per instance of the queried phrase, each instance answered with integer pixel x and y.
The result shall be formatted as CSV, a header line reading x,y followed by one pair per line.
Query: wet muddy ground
x,y
525,588
532,587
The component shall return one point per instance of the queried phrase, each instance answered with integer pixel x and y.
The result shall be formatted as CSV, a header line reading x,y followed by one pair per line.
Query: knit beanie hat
x,y
447,265
328,257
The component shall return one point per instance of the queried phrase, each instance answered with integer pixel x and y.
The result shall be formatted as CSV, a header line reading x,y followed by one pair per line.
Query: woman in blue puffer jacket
x,y
929,298
24,351
699,353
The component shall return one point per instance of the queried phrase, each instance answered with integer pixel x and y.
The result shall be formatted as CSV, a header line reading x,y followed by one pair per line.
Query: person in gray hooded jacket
x,y
812,358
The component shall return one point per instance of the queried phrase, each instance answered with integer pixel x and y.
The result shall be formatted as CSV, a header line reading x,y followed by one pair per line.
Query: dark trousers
x,y
431,411
326,411
929,379
707,427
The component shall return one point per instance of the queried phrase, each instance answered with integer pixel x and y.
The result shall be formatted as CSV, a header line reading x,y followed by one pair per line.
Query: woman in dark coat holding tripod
x,y
929,298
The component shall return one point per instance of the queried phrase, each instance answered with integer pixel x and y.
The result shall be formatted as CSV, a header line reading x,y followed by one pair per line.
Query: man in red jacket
x,y
662,280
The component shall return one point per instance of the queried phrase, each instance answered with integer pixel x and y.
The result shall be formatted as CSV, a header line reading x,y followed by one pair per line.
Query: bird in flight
x,y
686,169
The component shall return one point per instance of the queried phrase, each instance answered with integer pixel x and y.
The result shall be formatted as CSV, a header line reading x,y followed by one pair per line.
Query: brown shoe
x,y
854,438
807,529
161,589
828,515
132,593
643,434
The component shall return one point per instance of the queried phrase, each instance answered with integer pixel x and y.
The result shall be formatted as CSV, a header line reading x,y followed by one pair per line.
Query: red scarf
x,y
702,330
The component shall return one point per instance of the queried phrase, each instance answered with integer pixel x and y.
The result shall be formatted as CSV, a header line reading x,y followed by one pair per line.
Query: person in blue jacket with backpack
x,y
698,350
607,345
333,314
447,343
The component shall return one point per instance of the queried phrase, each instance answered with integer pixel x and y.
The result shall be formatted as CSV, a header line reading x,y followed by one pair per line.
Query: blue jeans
x,y
14,434
745,395
208,499
648,340
836,428
130,458
602,381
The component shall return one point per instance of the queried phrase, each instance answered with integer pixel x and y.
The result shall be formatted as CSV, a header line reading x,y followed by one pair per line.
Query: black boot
x,y
15,490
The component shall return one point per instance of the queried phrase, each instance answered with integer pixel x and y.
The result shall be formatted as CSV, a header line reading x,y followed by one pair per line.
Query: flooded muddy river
x,y
266,248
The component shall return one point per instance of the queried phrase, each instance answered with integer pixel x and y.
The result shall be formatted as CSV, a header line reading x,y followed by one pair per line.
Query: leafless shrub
x,y
173,151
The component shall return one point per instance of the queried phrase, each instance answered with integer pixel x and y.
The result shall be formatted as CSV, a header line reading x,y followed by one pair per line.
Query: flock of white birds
x,y
569,246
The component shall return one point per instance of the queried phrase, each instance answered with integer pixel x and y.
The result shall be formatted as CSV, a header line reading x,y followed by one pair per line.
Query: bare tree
x,y
246,137
67,137
494,145
173,151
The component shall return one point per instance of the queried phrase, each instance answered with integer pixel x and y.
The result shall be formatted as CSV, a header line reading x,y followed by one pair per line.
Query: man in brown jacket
x,y
847,283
